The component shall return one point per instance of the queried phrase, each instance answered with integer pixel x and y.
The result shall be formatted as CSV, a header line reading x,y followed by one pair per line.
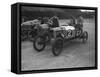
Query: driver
x,y
55,21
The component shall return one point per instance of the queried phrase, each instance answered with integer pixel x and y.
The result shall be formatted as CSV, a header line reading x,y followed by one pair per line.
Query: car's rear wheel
x,y
57,46
39,43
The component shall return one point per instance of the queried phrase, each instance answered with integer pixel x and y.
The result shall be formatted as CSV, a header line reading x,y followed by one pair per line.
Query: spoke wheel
x,y
39,43
57,46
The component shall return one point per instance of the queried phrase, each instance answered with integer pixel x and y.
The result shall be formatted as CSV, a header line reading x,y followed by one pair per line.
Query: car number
x,y
67,33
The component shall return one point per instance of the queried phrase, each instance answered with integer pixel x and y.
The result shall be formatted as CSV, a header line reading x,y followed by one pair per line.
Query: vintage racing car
x,y
27,29
56,37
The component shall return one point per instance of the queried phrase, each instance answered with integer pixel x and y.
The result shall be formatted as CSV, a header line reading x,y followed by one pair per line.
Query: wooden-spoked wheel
x,y
57,46
39,43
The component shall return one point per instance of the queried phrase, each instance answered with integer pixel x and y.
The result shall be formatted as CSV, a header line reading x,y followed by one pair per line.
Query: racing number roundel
x,y
67,33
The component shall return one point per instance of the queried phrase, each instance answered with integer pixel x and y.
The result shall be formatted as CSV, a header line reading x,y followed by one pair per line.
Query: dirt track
x,y
74,54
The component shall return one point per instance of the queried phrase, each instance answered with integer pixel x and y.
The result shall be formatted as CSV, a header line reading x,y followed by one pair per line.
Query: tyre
x,y
39,43
57,46
85,36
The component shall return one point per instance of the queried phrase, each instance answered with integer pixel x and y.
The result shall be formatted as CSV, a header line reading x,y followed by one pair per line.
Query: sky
x,y
87,10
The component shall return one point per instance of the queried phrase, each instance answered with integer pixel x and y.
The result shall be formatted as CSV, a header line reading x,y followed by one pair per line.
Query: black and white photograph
x,y
56,38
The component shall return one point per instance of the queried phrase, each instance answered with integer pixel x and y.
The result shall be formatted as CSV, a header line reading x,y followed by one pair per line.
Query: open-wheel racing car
x,y
28,31
56,37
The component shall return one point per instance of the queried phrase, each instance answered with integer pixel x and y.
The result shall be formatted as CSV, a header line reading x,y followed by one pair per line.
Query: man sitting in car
x,y
55,21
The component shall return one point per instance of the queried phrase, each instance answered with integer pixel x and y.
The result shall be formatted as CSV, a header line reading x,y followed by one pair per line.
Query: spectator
x,y
72,21
40,19
80,21
45,20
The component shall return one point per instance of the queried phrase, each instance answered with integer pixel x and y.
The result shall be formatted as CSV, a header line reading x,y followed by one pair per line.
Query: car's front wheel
x,y
57,46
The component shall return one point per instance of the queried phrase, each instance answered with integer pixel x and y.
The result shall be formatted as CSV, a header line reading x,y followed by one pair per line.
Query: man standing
x,y
72,21
79,25
80,22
